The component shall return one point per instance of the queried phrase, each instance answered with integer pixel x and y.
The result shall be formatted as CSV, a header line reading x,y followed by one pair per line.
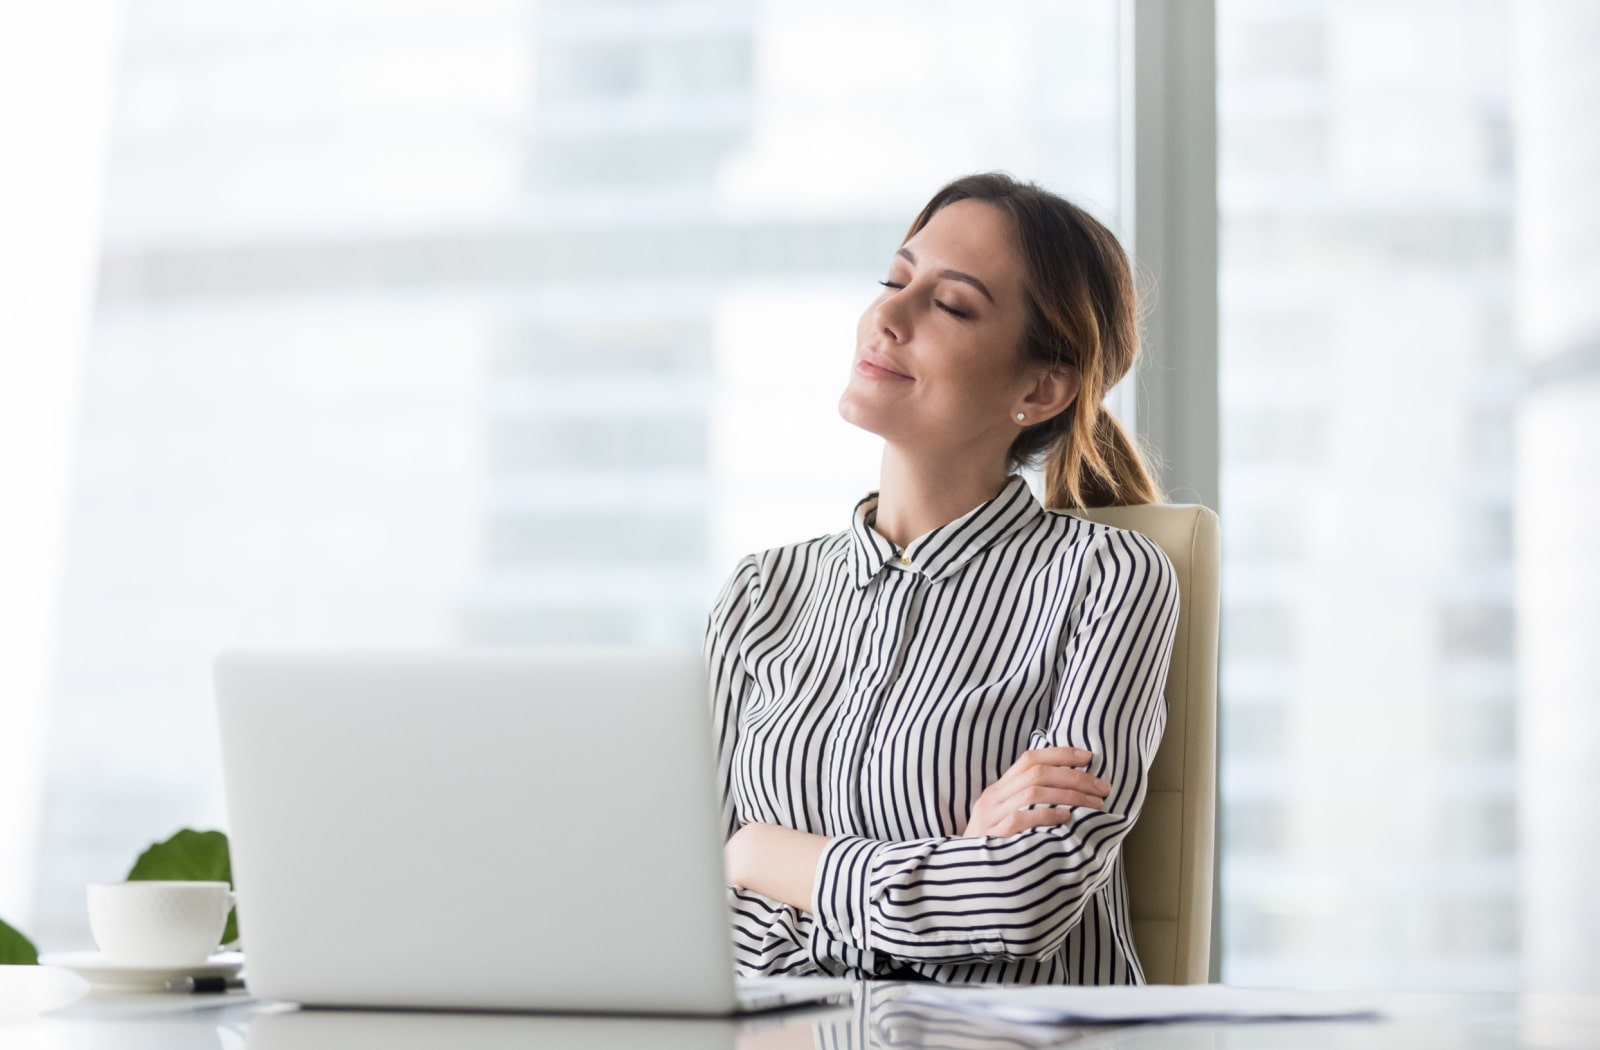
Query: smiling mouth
x,y
876,371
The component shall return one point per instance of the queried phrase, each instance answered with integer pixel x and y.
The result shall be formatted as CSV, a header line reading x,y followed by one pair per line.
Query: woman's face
x,y
938,366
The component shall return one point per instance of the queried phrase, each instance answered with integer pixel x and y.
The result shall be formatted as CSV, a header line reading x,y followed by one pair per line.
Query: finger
x,y
1023,819
1060,776
1060,756
1031,769
1047,756
1062,796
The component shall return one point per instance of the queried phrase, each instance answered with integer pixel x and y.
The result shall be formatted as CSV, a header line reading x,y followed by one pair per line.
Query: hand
x,y
1045,774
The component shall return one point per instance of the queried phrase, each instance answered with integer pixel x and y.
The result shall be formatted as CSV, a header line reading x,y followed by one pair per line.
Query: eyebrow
x,y
954,275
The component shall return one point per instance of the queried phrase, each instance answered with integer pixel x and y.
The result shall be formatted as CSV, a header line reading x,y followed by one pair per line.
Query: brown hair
x,y
1082,314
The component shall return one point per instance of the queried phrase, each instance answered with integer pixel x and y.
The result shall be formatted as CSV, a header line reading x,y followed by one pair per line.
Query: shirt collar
x,y
941,553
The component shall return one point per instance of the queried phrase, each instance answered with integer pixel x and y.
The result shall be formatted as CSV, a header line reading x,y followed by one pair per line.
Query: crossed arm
x,y
1012,889
775,861
781,863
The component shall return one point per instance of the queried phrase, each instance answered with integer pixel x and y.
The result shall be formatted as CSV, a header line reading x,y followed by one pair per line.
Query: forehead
x,y
973,237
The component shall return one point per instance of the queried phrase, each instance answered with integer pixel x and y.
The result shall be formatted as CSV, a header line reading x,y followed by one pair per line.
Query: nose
x,y
891,317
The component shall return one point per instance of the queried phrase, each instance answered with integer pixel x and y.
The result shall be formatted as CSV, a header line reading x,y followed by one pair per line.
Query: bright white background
x,y
506,322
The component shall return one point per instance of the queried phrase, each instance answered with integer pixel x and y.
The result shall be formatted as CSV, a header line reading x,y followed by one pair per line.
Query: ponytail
x,y
1096,463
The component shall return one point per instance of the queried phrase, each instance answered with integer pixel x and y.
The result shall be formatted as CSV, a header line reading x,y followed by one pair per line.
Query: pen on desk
x,y
204,984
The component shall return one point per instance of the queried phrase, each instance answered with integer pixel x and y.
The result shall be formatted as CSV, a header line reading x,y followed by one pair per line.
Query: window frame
x,y
1168,219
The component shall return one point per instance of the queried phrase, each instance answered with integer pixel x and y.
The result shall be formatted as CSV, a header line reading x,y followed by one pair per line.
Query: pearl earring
x,y
1020,417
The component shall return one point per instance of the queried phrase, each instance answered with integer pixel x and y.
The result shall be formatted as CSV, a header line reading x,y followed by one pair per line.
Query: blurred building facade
x,y
1558,445
509,322
1368,391
487,322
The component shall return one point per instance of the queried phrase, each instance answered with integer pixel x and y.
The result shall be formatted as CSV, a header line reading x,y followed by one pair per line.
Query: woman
x,y
934,727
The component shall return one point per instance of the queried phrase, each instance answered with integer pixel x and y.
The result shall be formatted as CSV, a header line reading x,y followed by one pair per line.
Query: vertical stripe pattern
x,y
871,694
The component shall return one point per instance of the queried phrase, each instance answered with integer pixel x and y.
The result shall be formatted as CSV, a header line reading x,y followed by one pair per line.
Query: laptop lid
x,y
490,829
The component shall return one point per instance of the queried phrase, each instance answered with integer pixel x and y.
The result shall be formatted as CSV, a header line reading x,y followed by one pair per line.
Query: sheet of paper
x,y
1074,1004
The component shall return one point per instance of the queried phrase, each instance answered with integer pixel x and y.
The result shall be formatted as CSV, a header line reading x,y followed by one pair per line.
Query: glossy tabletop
x,y
45,1008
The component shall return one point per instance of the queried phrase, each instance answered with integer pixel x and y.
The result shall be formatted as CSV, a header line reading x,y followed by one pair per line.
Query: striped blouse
x,y
870,694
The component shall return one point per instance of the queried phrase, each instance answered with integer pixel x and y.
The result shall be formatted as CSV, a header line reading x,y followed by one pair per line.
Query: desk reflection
x,y
877,1018
884,1019
400,1030
132,1022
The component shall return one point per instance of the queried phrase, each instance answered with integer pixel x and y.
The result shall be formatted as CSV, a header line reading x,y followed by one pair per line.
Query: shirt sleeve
x,y
726,676
769,936
955,899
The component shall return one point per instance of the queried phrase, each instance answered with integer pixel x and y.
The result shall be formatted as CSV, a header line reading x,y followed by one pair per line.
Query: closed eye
x,y
943,306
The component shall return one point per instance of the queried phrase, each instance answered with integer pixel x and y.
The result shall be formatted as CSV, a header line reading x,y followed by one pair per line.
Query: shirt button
x,y
905,559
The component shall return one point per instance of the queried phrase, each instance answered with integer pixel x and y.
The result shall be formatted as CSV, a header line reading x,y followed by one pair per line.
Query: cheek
x,y
965,366
969,384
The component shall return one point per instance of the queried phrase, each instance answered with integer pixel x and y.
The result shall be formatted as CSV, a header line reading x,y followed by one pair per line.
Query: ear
x,y
1052,391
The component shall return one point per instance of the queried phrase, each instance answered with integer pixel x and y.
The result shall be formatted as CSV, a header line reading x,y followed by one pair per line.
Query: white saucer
x,y
103,975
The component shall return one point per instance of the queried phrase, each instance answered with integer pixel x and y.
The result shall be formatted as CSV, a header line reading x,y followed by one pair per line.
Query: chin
x,y
853,410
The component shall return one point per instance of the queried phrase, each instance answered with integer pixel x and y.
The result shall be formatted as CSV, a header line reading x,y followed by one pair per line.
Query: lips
x,y
878,366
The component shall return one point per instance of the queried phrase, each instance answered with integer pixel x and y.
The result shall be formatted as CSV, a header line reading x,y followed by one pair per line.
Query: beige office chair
x,y
1168,852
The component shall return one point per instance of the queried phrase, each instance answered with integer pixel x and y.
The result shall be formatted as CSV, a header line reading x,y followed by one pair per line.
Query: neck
x,y
917,494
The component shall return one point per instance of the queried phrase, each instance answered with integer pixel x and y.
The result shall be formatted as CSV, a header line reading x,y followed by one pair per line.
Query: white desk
x,y
43,1008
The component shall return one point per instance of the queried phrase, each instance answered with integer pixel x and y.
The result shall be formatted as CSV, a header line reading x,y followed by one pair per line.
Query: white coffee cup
x,y
158,923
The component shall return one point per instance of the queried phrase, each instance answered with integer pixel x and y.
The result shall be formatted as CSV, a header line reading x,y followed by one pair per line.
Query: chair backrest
x,y
1168,853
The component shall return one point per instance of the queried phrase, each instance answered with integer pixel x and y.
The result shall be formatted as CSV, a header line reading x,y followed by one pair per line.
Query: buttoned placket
x,y
893,583
910,582
894,601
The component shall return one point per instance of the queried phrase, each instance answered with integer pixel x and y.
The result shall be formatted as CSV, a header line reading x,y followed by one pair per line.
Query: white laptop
x,y
482,829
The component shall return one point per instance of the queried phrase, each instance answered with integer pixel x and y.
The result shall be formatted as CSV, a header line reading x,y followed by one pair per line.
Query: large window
x,y
487,322
518,321
1367,402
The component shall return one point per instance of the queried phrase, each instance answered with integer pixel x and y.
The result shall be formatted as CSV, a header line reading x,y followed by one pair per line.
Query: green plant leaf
x,y
190,856
15,949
